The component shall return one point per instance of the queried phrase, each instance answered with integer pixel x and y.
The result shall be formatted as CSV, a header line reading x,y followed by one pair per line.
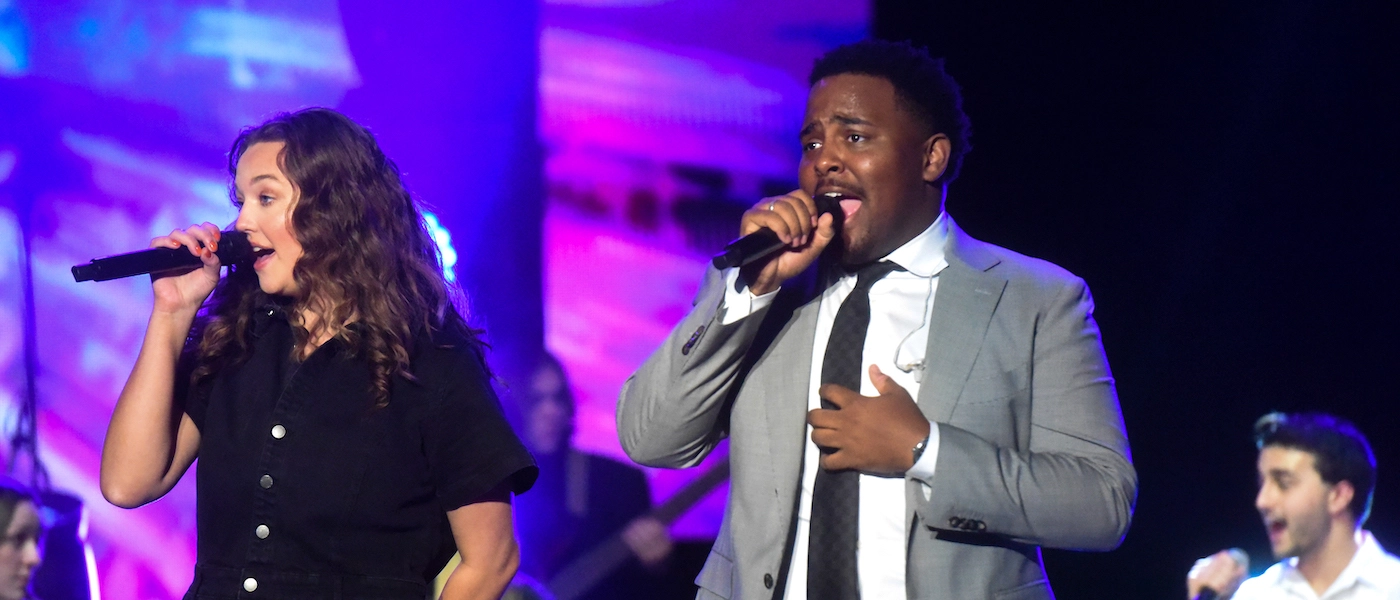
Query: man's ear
x,y
936,150
1339,497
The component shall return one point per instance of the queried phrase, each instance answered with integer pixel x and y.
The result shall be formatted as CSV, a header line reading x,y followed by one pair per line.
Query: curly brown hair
x,y
367,256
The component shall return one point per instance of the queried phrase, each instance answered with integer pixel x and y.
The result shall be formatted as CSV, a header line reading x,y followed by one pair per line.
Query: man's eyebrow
x,y
842,119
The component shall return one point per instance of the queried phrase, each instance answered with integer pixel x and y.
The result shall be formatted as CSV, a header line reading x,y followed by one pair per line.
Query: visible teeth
x,y
833,195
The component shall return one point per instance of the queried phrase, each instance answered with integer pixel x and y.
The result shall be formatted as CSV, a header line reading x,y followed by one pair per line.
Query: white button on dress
x,y
250,585
278,431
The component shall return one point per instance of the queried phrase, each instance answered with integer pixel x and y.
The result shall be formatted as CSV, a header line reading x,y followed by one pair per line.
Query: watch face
x,y
919,449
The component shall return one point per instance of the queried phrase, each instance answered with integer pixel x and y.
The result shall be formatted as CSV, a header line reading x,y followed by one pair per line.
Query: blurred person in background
x,y
581,499
1316,477
21,550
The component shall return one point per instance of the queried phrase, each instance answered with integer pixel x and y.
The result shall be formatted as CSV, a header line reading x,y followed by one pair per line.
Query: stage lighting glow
x,y
245,39
7,164
14,47
443,238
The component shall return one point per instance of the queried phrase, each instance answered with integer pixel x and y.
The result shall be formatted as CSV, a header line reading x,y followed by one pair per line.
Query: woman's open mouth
x,y
261,256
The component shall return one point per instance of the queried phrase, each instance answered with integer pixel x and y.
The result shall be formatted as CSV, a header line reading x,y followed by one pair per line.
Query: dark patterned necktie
x,y
831,547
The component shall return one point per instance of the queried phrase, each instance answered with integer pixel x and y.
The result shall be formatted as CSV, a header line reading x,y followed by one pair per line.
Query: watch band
x,y
919,449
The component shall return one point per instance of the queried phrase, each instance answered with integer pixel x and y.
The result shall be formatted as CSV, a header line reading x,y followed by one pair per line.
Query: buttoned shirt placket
x,y
263,523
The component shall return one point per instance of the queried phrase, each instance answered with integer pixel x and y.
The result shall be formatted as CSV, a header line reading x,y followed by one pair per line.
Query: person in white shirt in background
x,y
1316,476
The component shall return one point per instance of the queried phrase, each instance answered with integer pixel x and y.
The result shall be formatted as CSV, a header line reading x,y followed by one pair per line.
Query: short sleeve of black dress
x,y
194,399
468,443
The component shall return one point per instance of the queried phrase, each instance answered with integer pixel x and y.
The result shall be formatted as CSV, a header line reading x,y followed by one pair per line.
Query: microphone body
x,y
1241,558
233,248
762,243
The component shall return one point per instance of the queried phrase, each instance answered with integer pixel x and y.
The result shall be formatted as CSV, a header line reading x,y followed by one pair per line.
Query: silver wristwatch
x,y
919,449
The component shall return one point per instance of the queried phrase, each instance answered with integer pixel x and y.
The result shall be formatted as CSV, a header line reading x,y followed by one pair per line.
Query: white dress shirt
x,y
1371,575
901,306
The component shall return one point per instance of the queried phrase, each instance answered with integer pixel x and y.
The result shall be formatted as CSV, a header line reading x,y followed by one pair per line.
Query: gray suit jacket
x,y
1033,451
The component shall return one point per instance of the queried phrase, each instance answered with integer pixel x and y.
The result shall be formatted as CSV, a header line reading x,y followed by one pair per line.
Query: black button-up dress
x,y
306,490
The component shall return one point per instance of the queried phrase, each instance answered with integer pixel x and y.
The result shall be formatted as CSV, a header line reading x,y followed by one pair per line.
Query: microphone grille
x,y
1239,556
234,247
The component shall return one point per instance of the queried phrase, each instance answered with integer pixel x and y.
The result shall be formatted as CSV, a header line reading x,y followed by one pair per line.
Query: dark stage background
x,y
1223,175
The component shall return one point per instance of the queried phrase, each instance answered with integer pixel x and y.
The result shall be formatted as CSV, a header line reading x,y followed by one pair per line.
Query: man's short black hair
x,y
1340,452
920,84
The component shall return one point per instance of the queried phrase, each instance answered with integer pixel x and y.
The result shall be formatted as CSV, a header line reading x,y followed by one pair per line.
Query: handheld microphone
x,y
233,248
759,244
1237,555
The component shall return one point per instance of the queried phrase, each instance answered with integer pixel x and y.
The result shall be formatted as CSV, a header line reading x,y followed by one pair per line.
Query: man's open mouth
x,y
849,203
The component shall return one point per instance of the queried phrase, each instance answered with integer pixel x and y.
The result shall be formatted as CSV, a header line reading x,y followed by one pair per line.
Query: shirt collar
x,y
1358,570
924,254
267,315
1368,553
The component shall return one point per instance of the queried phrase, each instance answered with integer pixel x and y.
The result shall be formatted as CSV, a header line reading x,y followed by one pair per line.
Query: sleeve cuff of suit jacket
x,y
740,303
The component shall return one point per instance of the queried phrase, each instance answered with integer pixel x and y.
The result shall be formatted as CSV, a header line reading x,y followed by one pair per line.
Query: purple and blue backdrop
x,y
564,148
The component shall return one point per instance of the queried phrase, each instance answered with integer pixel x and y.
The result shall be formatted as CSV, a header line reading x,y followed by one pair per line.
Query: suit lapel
x,y
787,377
968,294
